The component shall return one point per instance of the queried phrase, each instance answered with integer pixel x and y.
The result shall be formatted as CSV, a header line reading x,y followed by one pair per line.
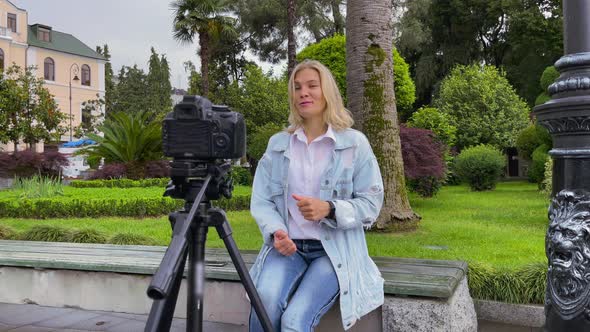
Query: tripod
x,y
188,239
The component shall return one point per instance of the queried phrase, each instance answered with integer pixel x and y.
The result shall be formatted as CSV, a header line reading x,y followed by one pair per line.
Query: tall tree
x,y
158,85
371,99
131,91
109,83
29,111
206,19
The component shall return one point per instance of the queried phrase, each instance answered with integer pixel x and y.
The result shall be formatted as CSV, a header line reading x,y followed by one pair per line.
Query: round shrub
x,y
241,176
480,166
130,239
550,74
46,233
332,53
530,138
87,235
537,169
28,163
432,119
6,233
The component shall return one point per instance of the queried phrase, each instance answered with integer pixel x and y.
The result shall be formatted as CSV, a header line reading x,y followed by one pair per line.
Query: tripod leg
x,y
162,311
225,232
196,275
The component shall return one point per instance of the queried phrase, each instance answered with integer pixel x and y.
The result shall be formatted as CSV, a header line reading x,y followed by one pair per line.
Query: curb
x,y
530,315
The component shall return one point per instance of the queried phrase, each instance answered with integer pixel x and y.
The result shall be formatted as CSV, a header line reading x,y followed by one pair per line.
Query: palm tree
x,y
371,99
203,18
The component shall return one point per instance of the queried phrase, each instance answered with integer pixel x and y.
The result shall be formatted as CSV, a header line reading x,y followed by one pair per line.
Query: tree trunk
x,y
338,19
204,53
291,43
371,100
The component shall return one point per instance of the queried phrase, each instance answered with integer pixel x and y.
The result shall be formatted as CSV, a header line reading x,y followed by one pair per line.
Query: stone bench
x,y
421,295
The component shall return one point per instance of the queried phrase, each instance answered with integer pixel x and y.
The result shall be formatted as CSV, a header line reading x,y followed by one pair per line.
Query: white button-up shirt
x,y
308,163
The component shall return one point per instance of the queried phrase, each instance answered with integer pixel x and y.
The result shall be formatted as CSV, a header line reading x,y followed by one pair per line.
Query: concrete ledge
x,y
426,315
507,313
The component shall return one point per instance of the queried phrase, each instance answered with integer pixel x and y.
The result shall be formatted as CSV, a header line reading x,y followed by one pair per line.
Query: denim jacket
x,y
352,180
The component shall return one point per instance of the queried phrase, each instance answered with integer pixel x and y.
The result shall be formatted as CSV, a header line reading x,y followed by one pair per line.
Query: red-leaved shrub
x,y
110,171
157,169
28,163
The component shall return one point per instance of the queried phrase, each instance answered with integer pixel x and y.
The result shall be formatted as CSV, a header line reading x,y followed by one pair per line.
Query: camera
x,y
198,130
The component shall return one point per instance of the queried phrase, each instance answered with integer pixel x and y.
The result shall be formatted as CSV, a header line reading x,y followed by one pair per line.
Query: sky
x,y
129,27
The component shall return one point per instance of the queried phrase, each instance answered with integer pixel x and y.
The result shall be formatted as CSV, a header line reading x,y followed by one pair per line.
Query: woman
x,y
316,187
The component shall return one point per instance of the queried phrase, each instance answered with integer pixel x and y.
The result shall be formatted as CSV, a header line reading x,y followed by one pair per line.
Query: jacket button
x,y
339,265
345,292
327,182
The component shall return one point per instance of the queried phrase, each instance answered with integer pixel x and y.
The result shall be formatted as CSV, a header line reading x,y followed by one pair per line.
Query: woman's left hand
x,y
312,208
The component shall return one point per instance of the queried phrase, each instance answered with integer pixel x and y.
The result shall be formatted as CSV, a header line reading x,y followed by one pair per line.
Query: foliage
x,y
46,233
108,79
332,53
6,232
158,85
432,119
29,163
29,112
86,235
128,138
524,285
547,184
110,171
241,176
92,117
261,98
483,107
423,160
131,92
38,187
257,142
480,166
536,172
530,138
157,169
550,74
120,183
207,20
129,238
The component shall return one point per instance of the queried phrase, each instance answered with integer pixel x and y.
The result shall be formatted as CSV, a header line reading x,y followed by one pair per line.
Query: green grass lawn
x,y
504,228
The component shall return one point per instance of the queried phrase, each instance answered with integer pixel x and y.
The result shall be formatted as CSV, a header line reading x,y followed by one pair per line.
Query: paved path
x,y
34,318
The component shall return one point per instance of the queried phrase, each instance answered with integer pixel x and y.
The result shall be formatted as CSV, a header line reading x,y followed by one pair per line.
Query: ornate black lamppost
x,y
75,67
567,117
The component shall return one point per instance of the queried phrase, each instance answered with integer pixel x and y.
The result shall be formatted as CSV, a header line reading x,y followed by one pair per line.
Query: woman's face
x,y
309,97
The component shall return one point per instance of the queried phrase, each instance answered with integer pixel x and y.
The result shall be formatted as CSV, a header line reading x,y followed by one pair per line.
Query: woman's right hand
x,y
283,243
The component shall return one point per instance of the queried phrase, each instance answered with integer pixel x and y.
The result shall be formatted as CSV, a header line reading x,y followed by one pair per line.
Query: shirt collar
x,y
300,134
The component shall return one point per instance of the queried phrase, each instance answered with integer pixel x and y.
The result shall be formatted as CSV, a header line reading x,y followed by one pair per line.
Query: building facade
x,y
69,67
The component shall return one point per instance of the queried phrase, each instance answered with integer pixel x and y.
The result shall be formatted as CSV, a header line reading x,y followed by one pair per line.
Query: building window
x,y
86,75
43,35
1,59
11,21
49,69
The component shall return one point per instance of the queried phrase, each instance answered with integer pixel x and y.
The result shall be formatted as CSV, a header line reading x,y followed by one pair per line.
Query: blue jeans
x,y
296,290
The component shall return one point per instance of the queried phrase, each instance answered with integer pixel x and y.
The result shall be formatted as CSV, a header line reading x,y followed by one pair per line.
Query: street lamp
x,y
76,69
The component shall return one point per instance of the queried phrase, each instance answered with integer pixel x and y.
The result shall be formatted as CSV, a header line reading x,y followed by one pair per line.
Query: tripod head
x,y
188,177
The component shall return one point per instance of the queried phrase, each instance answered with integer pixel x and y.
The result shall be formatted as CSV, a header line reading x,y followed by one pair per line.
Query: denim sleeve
x,y
367,198
262,207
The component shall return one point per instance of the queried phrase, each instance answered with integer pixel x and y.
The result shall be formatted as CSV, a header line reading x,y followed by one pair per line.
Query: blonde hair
x,y
335,114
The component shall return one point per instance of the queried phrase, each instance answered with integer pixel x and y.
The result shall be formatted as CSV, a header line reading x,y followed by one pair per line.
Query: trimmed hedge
x,y
76,208
120,183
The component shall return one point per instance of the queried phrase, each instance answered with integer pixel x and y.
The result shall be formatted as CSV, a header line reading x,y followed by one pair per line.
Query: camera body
x,y
198,130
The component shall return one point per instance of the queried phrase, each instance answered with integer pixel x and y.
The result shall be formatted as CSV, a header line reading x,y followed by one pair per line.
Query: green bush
x,y
537,170
483,106
530,138
550,74
46,233
130,239
522,286
547,185
432,119
120,183
6,233
257,142
332,53
480,166
87,235
426,186
241,176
